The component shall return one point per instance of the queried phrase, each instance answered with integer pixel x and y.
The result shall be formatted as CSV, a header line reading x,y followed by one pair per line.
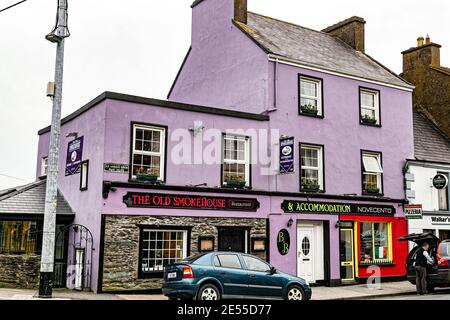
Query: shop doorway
x,y
233,239
310,251
347,254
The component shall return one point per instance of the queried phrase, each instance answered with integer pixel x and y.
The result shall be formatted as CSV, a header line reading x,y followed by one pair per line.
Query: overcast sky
x,y
137,46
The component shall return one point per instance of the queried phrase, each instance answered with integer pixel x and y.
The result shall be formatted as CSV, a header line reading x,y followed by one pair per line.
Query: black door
x,y
232,239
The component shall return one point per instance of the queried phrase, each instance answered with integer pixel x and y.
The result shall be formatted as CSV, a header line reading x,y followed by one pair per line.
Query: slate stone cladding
x,y
19,271
121,245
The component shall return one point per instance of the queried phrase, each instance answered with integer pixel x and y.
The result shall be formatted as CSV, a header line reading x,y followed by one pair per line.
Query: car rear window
x,y
228,261
193,258
445,249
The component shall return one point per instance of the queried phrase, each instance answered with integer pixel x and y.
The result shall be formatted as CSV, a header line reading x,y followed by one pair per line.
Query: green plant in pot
x,y
310,185
235,181
309,109
373,190
368,119
150,174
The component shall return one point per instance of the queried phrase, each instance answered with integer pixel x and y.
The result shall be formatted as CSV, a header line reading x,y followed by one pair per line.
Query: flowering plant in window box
x,y
373,190
368,119
151,174
235,181
310,185
309,109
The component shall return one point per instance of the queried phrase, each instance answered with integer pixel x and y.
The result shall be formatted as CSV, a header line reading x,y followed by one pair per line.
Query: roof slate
x,y
30,200
430,144
315,49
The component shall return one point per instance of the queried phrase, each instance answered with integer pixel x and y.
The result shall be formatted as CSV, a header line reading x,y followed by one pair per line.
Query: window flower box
x,y
235,183
151,175
310,187
368,120
309,109
373,190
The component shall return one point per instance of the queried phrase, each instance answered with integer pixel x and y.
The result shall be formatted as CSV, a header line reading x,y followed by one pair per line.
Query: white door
x,y
79,266
305,253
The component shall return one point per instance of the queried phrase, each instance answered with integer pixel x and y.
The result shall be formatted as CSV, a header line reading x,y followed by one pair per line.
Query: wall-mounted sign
x,y
440,220
176,201
440,181
74,156
283,242
116,168
286,155
336,208
413,211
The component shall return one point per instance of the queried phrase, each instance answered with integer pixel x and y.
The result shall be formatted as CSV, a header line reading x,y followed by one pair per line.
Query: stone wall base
x,y
19,271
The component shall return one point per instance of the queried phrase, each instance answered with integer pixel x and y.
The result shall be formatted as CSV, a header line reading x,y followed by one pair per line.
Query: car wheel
x,y
295,292
208,292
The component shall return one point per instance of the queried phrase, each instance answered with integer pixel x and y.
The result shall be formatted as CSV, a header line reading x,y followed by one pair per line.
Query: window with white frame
x,y
162,247
236,160
370,107
372,173
148,151
310,96
311,168
44,166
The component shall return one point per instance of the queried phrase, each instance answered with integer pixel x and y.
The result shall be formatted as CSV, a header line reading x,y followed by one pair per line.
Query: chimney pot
x,y
240,11
420,41
428,39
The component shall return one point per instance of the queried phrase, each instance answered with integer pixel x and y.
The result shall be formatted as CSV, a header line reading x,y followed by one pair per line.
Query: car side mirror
x,y
273,270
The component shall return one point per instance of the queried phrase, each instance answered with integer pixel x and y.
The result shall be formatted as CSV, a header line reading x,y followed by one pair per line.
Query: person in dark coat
x,y
423,259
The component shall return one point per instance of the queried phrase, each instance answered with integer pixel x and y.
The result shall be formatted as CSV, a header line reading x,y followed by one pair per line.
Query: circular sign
x,y
440,181
73,156
286,150
283,242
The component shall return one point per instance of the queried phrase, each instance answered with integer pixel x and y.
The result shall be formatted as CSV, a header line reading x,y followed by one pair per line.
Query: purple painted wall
x,y
223,62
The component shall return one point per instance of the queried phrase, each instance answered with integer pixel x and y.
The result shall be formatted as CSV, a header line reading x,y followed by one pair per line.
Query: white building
x,y
432,158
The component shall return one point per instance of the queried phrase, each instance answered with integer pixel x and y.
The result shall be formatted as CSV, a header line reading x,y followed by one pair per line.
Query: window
x,y
206,244
148,152
312,179
375,245
236,161
84,176
443,197
19,237
44,166
372,173
162,247
370,107
229,261
310,96
254,264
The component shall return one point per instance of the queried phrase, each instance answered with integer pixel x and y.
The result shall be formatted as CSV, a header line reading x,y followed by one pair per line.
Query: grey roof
x,y
430,144
30,200
315,49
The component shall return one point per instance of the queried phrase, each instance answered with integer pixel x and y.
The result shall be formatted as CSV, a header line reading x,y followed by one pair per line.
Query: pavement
x,y
403,290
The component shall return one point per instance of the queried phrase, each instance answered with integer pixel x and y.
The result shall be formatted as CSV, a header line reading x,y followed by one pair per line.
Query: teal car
x,y
230,275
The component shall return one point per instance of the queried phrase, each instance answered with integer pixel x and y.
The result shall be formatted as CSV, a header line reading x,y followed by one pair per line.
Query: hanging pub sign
x,y
176,201
286,155
74,156
283,242
413,211
440,181
336,208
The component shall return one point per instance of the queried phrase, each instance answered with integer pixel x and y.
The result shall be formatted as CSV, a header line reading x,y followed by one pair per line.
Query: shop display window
x,y
375,243
19,237
161,248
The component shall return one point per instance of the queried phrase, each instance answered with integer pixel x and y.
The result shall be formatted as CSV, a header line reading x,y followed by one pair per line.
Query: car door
x,y
261,282
232,275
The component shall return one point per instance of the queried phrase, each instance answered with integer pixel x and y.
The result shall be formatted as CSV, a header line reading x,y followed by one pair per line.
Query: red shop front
x,y
369,247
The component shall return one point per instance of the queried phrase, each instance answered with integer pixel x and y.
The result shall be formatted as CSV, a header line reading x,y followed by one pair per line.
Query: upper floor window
x,y
443,197
372,173
148,152
370,107
84,175
312,177
310,96
236,161
44,166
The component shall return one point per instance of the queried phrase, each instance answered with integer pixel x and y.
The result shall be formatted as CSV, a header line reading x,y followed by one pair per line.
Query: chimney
x,y
420,41
351,31
428,40
240,11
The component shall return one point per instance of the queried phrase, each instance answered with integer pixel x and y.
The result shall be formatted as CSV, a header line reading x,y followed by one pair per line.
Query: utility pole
x,y
59,33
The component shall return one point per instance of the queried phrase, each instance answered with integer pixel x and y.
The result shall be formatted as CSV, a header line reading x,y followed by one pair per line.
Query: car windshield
x,y
445,249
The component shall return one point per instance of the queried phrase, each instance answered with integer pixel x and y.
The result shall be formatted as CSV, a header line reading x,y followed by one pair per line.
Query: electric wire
x,y
13,5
